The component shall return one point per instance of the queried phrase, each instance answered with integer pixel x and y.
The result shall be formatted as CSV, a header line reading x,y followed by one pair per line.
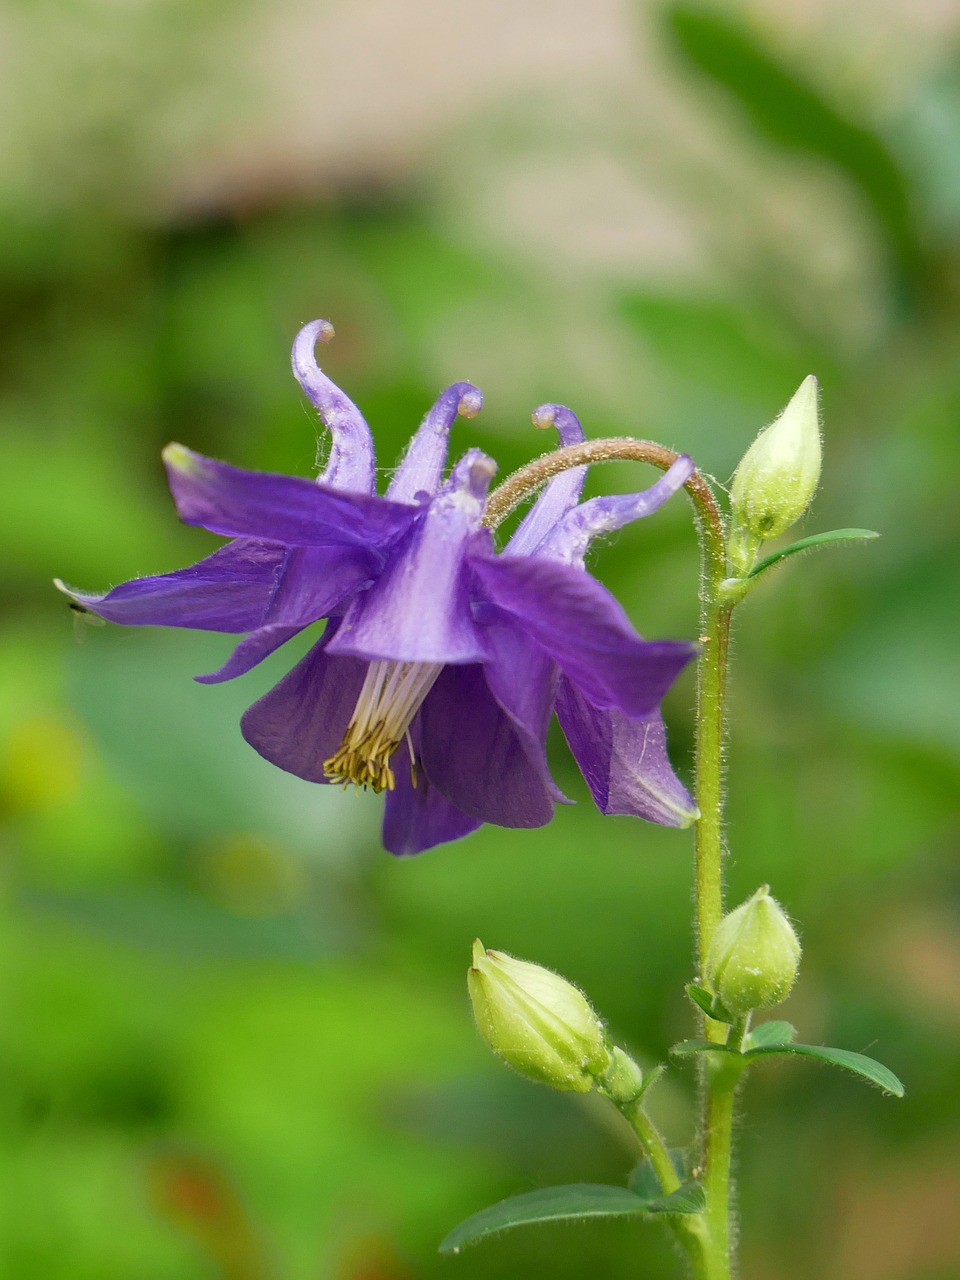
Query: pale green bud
x,y
753,958
623,1079
539,1023
778,475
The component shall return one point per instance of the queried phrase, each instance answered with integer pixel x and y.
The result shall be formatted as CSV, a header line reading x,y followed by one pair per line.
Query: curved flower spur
x,y
441,661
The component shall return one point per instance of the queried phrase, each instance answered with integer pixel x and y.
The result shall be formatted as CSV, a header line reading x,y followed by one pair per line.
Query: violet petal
x,y
250,652
582,627
624,762
313,583
473,753
261,504
524,682
419,609
419,817
315,580
230,590
418,475
570,538
351,463
563,491
301,722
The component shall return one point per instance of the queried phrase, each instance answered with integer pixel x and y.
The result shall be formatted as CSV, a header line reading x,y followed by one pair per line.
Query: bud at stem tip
x,y
778,475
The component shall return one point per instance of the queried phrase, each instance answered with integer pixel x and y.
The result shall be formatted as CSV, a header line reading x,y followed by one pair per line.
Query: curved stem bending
x,y
710,1251
714,639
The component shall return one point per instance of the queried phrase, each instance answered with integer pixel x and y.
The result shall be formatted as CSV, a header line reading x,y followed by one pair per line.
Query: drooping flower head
x,y
442,661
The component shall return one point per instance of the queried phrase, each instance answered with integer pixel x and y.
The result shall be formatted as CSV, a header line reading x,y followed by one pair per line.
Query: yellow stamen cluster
x,y
391,695
363,759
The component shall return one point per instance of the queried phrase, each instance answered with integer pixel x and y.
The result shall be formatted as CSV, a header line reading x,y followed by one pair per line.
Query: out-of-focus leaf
x,y
721,345
179,745
784,108
928,136
73,507
192,927
904,649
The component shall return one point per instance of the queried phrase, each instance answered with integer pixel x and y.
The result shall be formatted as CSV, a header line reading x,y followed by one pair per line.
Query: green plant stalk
x,y
708,835
689,1229
653,1145
719,1078
720,1086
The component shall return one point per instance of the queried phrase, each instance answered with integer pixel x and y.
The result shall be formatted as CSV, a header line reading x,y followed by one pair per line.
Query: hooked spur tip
x,y
307,338
473,473
565,420
471,402
482,472
179,458
544,417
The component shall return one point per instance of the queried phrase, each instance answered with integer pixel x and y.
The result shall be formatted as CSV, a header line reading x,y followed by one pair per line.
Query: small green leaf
x,y
806,544
858,1063
688,1048
708,1003
769,1035
651,1077
549,1204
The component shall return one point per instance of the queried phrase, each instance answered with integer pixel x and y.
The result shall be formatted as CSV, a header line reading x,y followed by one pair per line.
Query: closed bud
x,y
539,1023
778,475
753,958
623,1079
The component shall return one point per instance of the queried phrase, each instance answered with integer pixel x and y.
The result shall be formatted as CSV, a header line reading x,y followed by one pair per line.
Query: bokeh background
x,y
234,1035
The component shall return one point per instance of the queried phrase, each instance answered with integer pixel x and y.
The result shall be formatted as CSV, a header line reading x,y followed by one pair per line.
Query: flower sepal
x,y
709,1002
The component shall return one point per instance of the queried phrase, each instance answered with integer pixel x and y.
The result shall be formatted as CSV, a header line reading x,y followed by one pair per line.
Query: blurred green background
x,y
234,1035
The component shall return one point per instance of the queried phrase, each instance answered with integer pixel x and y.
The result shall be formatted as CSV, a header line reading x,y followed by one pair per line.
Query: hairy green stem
x,y
720,1087
689,1229
719,1078
653,1145
711,698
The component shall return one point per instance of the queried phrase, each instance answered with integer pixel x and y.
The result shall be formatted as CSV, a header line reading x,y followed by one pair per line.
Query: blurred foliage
x,y
234,1036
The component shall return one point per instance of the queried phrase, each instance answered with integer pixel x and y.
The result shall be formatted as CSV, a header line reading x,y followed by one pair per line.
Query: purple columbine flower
x,y
438,671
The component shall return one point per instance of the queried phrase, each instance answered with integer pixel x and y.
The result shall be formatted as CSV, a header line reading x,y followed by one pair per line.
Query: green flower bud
x,y
778,475
539,1023
623,1080
753,958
